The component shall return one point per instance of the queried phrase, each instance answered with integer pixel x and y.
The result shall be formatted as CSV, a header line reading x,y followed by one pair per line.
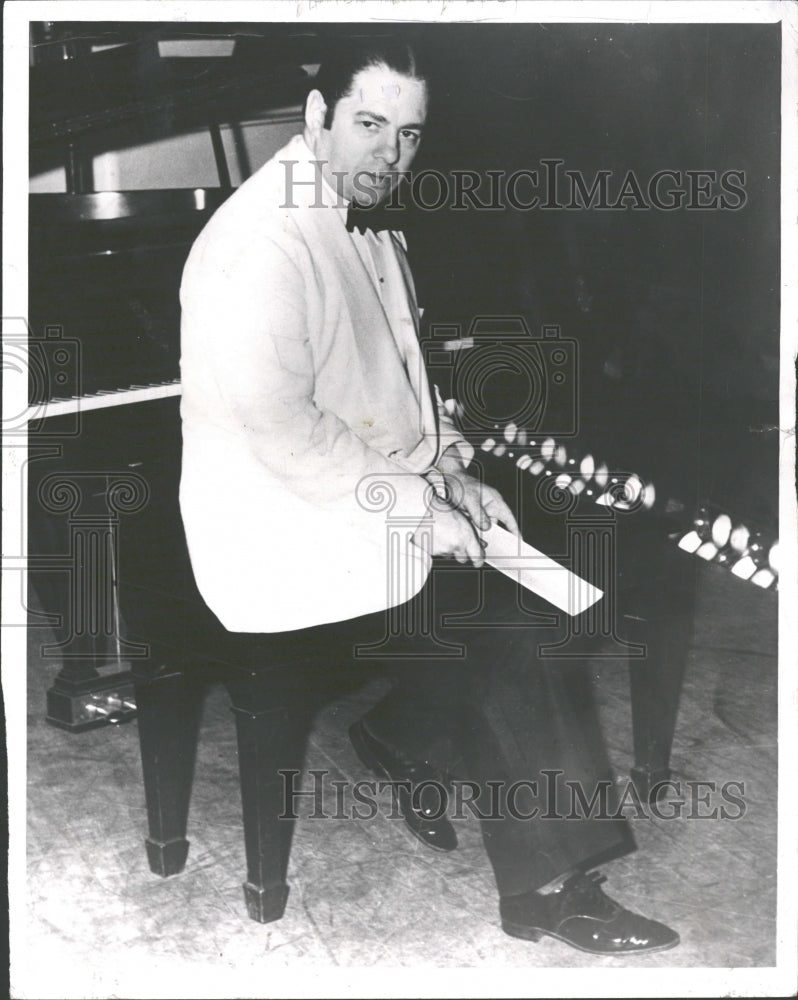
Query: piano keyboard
x,y
103,399
712,534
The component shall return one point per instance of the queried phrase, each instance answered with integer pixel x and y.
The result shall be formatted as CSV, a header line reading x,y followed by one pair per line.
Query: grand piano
x,y
105,434
104,274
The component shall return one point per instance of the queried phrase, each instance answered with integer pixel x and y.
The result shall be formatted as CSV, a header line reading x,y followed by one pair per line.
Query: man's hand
x,y
482,504
453,534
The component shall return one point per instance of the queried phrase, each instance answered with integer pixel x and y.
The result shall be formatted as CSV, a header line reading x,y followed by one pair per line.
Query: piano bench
x,y
276,684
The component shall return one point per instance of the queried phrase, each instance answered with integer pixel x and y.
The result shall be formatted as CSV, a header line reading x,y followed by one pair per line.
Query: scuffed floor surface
x,y
365,893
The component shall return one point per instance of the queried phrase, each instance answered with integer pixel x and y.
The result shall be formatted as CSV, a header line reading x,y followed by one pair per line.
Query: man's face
x,y
375,133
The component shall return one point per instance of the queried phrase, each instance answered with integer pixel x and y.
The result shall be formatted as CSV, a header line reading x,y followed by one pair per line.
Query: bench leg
x,y
168,720
272,733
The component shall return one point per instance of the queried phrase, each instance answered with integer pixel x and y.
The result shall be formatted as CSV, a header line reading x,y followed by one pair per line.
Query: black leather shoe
x,y
581,915
421,818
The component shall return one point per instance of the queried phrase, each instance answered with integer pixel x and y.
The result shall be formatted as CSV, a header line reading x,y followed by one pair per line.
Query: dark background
x,y
676,314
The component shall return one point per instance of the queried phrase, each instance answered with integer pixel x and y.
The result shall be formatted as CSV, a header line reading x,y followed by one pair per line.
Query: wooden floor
x,y
365,894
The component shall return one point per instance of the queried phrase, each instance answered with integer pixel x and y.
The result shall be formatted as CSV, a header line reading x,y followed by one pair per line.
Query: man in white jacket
x,y
315,457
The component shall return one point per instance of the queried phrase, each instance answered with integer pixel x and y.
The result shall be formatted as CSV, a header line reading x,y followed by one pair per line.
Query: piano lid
x,y
104,274
114,87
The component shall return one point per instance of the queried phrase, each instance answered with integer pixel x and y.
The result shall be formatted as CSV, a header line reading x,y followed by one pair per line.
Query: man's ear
x,y
315,112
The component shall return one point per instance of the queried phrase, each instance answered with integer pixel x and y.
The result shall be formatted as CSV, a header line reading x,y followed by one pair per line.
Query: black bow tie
x,y
376,219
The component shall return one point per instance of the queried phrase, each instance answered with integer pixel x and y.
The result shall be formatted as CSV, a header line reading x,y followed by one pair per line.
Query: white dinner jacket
x,y
305,437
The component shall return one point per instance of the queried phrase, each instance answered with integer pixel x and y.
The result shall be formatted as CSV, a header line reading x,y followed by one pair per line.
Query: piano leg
x,y
73,522
272,724
169,703
80,697
656,684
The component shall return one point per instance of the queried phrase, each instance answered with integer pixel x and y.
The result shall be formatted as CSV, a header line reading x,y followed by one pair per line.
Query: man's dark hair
x,y
338,71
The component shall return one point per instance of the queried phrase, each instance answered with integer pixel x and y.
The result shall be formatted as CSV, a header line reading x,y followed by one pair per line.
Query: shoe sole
x,y
368,760
536,934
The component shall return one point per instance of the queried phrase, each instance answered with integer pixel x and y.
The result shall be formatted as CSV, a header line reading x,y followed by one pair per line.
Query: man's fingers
x,y
476,550
498,510
507,518
472,503
472,546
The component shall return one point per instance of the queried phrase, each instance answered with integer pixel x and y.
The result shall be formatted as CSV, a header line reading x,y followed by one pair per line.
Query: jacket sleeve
x,y
246,315
449,433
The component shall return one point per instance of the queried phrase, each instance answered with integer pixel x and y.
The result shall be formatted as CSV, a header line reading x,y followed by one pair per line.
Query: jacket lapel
x,y
398,400
391,391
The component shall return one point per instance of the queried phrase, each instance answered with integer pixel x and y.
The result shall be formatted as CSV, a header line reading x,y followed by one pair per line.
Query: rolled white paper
x,y
511,555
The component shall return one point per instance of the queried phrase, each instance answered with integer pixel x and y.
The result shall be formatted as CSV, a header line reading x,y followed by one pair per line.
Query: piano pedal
x,y
101,704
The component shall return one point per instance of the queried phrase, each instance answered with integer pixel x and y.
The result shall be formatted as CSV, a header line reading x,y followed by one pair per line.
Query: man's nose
x,y
388,150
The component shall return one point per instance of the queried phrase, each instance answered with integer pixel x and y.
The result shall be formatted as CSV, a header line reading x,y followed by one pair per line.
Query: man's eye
x,y
411,136
369,125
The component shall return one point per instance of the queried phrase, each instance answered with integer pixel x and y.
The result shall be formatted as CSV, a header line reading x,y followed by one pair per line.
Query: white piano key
x,y
690,542
632,489
707,551
744,568
763,577
721,530
576,486
100,401
460,344
738,539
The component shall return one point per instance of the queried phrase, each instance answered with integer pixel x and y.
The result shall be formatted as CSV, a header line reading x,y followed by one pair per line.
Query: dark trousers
x,y
474,700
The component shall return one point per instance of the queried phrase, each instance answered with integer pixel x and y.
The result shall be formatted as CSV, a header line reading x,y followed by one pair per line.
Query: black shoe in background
x,y
419,811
